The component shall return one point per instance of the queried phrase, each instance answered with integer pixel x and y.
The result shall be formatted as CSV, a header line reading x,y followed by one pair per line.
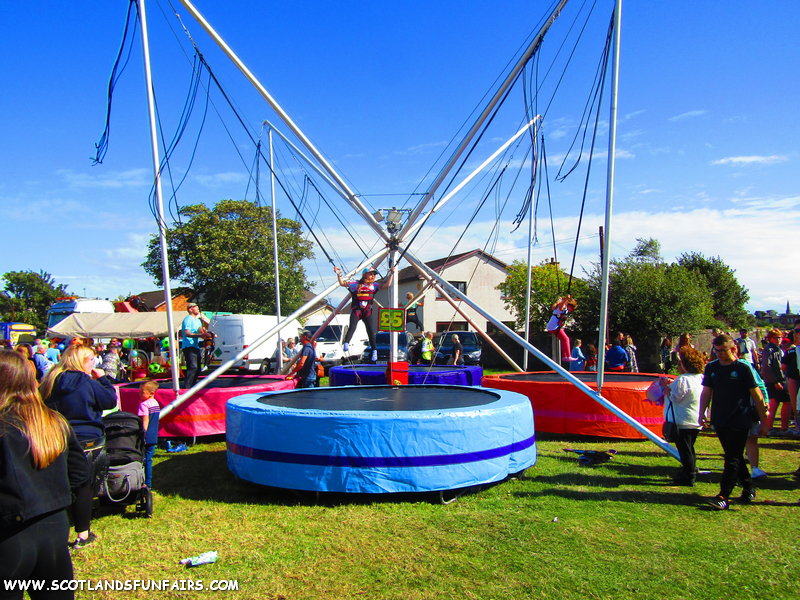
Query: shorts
x,y
777,395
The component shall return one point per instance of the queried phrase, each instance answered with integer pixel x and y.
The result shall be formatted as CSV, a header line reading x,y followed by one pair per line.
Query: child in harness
x,y
561,310
362,293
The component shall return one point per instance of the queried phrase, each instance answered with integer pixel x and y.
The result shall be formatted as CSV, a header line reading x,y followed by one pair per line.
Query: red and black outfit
x,y
361,309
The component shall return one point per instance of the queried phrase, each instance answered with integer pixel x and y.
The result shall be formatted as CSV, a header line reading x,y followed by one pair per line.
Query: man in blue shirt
x,y
192,331
305,366
616,357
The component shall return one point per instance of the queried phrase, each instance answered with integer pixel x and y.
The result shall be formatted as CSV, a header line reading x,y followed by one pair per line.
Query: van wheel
x,y
264,368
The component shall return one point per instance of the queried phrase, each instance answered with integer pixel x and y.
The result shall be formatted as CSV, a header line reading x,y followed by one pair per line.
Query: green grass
x,y
621,532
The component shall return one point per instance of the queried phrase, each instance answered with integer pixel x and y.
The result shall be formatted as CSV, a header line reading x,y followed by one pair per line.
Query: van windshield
x,y
54,319
332,333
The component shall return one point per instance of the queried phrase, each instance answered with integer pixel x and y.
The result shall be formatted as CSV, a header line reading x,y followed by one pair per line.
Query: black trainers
x,y
747,496
81,543
719,502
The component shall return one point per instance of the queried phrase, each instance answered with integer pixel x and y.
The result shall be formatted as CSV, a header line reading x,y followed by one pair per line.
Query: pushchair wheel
x,y
144,503
148,502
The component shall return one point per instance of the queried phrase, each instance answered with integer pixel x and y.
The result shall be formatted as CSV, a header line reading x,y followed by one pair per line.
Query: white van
x,y
329,341
237,332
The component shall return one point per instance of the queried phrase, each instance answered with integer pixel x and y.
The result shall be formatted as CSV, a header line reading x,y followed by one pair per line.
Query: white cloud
x,y
102,179
220,179
688,115
751,160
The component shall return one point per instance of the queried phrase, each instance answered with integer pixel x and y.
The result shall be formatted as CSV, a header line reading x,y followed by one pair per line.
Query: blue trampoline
x,y
417,375
380,439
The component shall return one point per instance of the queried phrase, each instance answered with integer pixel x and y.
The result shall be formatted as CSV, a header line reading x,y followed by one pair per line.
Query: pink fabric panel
x,y
204,414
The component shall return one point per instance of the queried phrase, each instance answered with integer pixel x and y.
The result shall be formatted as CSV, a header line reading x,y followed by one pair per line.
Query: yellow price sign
x,y
391,319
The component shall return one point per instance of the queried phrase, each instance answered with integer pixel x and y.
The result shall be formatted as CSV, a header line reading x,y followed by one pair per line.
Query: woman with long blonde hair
x,y
80,392
41,460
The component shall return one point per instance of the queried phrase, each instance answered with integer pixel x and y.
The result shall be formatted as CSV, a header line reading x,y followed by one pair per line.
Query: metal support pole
x,y
612,140
174,348
275,249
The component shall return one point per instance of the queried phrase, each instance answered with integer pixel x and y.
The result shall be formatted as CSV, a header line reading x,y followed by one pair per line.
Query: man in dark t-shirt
x,y
730,387
304,367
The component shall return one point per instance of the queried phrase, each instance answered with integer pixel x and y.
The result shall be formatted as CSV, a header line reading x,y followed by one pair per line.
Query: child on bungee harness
x,y
561,310
362,293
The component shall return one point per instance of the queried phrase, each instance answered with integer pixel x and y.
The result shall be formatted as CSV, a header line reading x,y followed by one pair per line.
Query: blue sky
x,y
707,155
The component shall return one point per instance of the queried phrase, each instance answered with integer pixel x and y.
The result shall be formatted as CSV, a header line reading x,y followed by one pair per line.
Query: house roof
x,y
440,264
156,298
323,303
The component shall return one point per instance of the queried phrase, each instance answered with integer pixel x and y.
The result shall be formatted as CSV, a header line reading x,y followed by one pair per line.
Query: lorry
x,y
329,341
64,307
234,333
18,333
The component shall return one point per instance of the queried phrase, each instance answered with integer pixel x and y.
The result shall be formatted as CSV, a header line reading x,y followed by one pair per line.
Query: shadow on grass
x,y
205,476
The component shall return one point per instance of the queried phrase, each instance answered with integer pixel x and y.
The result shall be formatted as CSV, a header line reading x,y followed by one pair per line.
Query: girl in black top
x,y
41,460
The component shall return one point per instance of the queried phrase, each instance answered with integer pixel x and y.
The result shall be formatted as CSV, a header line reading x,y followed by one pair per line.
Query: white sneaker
x,y
757,473
374,355
346,347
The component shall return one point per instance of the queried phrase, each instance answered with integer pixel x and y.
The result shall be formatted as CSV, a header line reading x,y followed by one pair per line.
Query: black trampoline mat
x,y
383,398
584,376
220,382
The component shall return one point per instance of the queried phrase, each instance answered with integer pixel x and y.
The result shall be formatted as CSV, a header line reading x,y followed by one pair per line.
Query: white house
x,y
475,273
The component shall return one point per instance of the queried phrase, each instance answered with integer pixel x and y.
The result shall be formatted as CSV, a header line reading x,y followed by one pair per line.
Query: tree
x,y
27,297
647,250
226,254
648,299
548,282
728,297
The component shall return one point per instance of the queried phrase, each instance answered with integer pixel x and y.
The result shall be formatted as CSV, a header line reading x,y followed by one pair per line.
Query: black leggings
x,y
356,315
84,494
685,446
415,320
37,552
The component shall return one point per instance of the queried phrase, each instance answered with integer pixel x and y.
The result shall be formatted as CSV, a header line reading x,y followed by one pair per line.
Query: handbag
x,y
669,430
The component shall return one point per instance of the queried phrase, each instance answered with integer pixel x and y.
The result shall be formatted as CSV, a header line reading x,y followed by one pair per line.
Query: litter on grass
x,y
203,559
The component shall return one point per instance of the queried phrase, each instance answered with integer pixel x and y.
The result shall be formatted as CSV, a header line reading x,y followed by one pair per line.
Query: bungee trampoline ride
x,y
378,439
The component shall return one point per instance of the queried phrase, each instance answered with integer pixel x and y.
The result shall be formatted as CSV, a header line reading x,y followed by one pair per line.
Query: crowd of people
x,y
43,356
738,390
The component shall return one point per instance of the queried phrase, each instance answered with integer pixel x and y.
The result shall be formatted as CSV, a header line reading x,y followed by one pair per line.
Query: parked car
x,y
404,343
468,339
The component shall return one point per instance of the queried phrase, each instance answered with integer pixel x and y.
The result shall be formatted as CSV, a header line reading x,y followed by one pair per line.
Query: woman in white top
x,y
682,397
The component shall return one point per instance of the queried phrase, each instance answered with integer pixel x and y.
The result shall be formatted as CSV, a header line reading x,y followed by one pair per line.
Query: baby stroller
x,y
124,485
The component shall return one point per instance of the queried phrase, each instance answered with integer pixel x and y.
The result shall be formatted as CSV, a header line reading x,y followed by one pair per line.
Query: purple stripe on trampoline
x,y
360,462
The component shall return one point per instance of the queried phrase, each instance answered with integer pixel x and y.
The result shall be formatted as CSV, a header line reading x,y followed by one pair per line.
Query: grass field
x,y
618,530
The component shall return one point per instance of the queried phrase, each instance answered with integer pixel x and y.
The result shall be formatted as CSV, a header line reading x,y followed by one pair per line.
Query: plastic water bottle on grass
x,y
205,558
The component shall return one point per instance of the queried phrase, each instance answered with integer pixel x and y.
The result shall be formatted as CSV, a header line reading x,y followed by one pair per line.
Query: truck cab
x,y
64,307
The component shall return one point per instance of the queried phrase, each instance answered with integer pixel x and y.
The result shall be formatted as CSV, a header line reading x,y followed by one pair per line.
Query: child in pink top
x,y
149,410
